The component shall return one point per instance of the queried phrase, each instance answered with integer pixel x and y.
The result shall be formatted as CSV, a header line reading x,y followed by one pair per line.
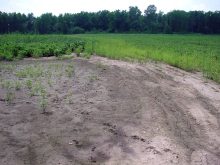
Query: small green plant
x,y
43,104
69,97
48,74
43,100
49,82
10,96
7,67
101,66
86,55
70,70
36,89
65,57
21,73
93,78
7,84
29,84
17,85
30,71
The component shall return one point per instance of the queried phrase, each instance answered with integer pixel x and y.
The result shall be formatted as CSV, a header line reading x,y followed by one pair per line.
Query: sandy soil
x,y
111,112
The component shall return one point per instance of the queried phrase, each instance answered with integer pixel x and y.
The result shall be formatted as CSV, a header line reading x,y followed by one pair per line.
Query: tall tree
x,y
150,18
134,18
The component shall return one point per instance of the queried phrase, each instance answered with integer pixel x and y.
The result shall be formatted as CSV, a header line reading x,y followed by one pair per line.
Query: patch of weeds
x,y
68,97
30,71
43,101
64,57
78,51
93,78
17,85
49,74
36,89
9,97
101,66
49,82
85,55
7,67
60,75
7,84
29,84
69,70
43,104
21,74
32,93
56,66
36,72
70,100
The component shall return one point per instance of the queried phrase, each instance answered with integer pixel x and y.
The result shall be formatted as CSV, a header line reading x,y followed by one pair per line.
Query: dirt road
x,y
112,112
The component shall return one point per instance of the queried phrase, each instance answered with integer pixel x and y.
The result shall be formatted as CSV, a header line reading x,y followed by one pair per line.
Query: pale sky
x,y
74,6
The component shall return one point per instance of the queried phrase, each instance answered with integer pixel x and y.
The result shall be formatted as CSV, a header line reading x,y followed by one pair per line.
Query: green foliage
x,y
6,84
29,84
17,85
20,46
189,52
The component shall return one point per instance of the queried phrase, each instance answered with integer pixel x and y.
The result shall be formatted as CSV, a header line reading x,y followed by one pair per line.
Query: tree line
x,y
119,21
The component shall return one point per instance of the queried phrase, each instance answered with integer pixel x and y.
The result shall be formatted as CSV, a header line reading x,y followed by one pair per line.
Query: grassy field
x,y
189,52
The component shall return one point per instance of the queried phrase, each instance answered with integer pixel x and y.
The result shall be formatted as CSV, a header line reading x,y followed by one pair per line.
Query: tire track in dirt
x,y
114,112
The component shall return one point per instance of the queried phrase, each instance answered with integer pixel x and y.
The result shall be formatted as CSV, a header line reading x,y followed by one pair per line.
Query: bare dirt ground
x,y
108,112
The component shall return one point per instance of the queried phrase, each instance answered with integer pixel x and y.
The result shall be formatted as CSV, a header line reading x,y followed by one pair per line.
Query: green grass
x,y
189,52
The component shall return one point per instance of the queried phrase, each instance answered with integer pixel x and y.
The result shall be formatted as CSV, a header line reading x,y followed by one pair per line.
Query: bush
x,y
58,52
48,51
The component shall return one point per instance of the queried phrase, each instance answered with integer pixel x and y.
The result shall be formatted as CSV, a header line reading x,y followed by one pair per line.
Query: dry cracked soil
x,y
107,112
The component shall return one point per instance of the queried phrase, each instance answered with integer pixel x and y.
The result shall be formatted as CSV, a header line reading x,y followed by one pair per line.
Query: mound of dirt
x,y
102,111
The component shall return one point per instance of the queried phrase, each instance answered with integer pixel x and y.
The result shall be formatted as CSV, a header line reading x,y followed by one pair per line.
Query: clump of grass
x,y
7,67
68,97
30,71
9,97
70,70
7,84
101,66
43,104
17,85
93,78
36,89
48,74
43,101
65,57
22,73
49,82
29,84
85,55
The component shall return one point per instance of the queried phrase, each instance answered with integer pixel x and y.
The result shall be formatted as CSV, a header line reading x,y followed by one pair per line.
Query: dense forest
x,y
133,20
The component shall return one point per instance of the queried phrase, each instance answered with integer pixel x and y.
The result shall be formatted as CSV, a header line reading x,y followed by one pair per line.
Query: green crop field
x,y
189,52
